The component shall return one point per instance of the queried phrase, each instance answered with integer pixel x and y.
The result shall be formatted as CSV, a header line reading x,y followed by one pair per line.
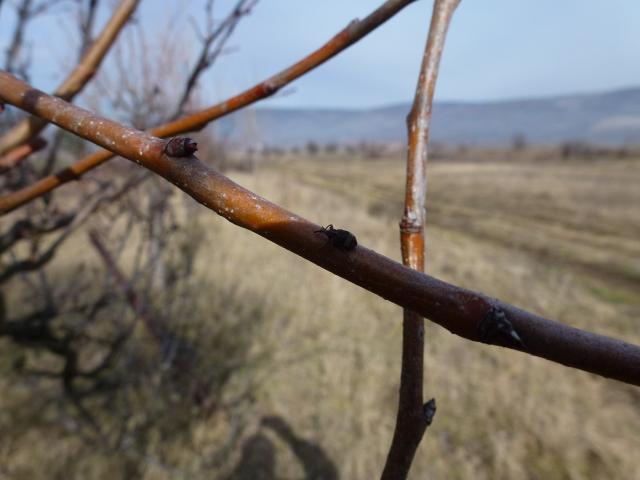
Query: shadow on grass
x,y
258,459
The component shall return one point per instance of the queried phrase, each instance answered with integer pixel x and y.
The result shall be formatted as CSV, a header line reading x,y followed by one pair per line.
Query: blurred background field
x,y
302,367
144,337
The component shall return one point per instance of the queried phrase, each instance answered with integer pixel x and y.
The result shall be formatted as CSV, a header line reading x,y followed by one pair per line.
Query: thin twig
x,y
212,46
106,195
31,264
85,21
469,314
356,30
77,79
155,327
24,14
414,416
20,153
28,228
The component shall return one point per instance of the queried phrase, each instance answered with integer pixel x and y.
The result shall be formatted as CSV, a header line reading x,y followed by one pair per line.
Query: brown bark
x,y
356,30
466,313
414,416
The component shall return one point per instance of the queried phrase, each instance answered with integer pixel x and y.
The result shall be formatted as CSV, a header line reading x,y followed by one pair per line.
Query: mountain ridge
x,y
610,117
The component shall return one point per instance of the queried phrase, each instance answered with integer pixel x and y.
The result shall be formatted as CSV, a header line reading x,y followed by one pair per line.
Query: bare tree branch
x,y
23,12
31,264
17,155
70,222
175,350
414,416
86,19
77,79
28,228
154,326
356,30
212,45
34,331
466,313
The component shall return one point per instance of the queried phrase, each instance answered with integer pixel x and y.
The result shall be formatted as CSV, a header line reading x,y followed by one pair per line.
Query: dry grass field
x,y
560,238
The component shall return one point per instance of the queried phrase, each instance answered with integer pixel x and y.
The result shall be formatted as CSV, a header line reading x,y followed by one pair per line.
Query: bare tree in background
x,y
80,326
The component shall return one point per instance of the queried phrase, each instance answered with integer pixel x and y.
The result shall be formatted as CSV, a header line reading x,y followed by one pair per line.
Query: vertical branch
x,y
414,416
22,12
25,11
85,21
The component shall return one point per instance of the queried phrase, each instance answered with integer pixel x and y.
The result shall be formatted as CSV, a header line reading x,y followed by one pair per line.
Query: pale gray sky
x,y
496,49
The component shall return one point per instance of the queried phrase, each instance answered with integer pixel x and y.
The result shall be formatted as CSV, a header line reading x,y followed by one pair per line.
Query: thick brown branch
x,y
347,37
77,79
413,416
466,313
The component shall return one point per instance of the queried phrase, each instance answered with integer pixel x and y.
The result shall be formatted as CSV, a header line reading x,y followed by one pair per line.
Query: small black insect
x,y
340,239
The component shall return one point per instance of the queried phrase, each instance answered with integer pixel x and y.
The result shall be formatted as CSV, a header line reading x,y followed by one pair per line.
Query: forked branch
x,y
466,313
414,416
213,43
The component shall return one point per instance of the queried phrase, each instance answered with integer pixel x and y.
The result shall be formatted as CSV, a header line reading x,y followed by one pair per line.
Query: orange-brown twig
x,y
466,313
77,79
414,416
347,37
18,154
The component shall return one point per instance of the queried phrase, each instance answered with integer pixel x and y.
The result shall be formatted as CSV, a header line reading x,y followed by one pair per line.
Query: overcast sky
x,y
496,49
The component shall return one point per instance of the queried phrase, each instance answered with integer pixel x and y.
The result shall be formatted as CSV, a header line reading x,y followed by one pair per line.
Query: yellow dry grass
x,y
560,239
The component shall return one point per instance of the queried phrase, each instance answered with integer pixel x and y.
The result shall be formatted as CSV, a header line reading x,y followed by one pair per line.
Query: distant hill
x,y
611,118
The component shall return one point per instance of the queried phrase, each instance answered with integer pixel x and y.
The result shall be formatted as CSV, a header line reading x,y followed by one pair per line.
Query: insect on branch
x,y
458,310
340,239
